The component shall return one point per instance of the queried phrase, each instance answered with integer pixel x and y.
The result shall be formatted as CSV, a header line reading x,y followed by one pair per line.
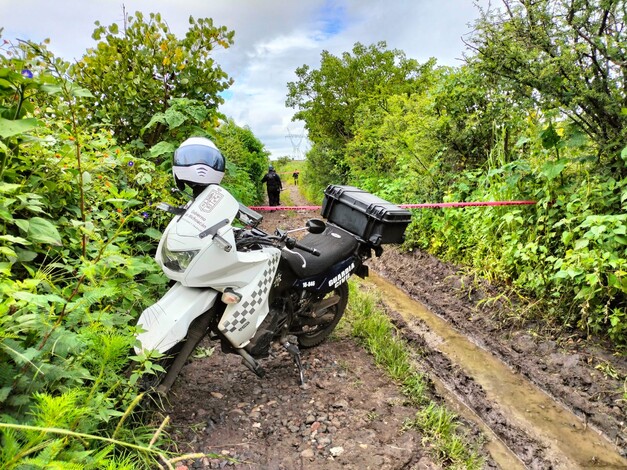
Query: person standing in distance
x,y
273,185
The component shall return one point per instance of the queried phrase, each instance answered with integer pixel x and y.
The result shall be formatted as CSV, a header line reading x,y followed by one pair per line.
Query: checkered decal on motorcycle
x,y
258,296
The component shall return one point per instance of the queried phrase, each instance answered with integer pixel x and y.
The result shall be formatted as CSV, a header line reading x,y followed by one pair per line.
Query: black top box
x,y
372,219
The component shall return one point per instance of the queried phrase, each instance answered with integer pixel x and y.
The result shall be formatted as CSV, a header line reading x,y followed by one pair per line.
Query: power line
x,y
296,140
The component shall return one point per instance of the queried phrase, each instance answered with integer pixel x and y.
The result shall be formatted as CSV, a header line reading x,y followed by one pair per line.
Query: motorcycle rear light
x,y
231,297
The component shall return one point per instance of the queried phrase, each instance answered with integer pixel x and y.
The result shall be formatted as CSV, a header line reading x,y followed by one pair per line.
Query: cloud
x,y
272,39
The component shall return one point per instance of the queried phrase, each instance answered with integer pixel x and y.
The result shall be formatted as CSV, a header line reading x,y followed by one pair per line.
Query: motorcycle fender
x,y
166,322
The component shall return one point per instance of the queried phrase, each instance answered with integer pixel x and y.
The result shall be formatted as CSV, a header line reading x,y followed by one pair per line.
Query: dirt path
x,y
349,415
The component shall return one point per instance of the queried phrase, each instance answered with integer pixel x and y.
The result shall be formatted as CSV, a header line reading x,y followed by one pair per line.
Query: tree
x,y
134,73
327,98
243,150
569,55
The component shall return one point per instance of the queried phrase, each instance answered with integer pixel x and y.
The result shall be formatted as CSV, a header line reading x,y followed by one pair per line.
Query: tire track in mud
x,y
557,440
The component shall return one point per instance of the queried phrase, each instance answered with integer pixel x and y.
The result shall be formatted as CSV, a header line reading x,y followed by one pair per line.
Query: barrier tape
x,y
427,205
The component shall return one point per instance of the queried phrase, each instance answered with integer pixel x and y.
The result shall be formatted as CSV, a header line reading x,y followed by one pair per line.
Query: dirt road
x,y
350,415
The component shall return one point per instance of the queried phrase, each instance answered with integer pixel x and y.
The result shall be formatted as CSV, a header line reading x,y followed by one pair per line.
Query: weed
x,y
438,425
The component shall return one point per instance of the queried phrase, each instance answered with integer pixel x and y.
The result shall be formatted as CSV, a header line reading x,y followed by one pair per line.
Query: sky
x,y
272,39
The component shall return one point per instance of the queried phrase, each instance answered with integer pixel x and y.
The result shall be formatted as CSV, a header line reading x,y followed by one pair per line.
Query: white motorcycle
x,y
247,288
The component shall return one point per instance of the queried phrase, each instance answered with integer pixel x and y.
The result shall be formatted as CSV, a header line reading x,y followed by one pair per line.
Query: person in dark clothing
x,y
295,176
274,186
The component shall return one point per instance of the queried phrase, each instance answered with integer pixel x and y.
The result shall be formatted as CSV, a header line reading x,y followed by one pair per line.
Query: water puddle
x,y
566,438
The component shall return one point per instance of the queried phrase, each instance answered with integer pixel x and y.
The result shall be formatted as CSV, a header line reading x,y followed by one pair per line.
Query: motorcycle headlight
x,y
177,260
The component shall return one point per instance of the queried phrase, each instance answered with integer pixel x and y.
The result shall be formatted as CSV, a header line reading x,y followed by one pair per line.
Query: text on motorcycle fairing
x,y
197,219
342,277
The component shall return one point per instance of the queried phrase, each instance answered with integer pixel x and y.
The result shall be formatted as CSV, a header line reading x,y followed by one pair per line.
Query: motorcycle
x,y
247,288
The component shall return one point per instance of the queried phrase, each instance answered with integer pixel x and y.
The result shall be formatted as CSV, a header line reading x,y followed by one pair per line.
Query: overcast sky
x,y
272,39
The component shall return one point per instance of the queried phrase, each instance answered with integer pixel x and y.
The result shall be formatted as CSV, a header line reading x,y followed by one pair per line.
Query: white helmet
x,y
198,162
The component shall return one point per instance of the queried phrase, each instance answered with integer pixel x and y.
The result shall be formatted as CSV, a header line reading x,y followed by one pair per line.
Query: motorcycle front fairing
x,y
198,251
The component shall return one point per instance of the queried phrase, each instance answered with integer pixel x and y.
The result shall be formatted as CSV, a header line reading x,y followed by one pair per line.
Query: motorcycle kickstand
x,y
295,353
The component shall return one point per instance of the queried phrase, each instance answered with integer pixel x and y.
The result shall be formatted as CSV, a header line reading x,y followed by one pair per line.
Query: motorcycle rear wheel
x,y
314,338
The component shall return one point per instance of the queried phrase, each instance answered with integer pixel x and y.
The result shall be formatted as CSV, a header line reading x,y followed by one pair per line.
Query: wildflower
x,y
27,73
145,215
131,163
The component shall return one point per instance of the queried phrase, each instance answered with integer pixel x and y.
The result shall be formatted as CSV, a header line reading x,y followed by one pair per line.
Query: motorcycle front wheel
x,y
332,316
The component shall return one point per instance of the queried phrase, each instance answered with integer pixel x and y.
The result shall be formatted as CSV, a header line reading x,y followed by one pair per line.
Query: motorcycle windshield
x,y
212,207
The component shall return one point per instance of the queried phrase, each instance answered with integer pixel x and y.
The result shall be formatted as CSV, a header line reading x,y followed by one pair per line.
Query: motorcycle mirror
x,y
316,226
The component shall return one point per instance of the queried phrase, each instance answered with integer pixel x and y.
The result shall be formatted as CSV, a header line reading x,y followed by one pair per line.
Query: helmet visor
x,y
199,154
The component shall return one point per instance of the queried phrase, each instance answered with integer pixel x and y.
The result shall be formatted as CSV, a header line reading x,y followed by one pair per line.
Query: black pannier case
x,y
371,218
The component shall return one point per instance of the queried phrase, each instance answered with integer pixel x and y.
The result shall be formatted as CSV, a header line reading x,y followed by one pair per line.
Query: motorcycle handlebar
x,y
313,251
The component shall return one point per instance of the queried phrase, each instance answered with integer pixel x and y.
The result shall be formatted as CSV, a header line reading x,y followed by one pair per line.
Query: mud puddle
x,y
538,430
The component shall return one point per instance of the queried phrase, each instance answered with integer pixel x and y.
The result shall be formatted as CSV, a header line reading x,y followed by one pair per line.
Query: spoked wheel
x,y
329,317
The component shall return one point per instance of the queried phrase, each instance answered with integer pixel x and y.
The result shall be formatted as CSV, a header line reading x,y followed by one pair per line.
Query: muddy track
x,y
568,370
349,415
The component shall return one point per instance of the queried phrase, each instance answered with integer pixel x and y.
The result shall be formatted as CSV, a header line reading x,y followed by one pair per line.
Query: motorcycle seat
x,y
334,245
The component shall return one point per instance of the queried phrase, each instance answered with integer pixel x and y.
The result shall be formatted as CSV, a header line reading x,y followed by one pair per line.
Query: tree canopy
x,y
569,55
134,71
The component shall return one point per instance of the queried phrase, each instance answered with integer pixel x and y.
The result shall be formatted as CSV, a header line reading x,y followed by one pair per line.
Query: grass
x,y
440,428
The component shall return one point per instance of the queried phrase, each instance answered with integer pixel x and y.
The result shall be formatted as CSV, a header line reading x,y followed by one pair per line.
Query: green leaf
x,y
4,393
86,177
43,231
80,92
9,128
552,170
12,239
9,187
50,88
153,233
158,118
39,299
25,256
22,224
581,243
162,148
550,138
623,154
174,118
8,252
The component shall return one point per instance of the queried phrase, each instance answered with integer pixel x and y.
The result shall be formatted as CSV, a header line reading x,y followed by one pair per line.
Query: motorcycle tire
x,y
309,340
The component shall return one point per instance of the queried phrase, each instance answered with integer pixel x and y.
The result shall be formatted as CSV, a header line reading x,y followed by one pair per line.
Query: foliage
x,y
534,115
71,271
134,72
76,266
328,98
247,161
563,54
